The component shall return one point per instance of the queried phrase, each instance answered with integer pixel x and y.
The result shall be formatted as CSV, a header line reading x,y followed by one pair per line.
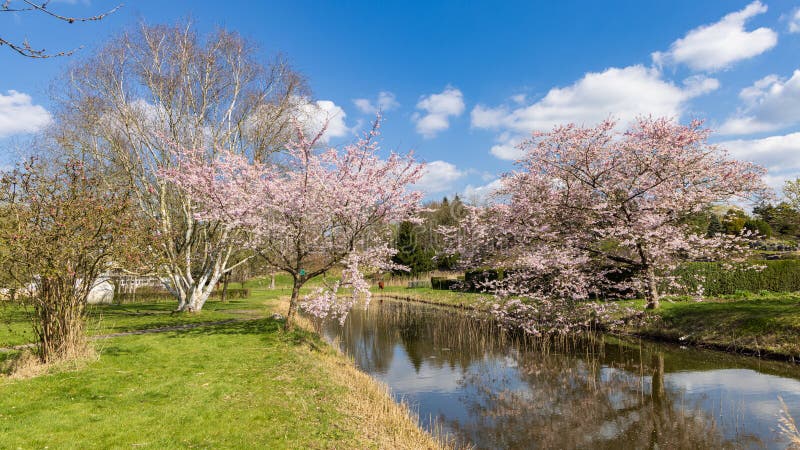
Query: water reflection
x,y
494,390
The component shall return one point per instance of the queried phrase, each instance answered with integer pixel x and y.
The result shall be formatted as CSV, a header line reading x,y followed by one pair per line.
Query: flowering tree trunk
x,y
651,290
297,283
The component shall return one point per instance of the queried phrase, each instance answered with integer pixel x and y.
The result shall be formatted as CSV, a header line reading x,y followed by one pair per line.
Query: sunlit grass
x,y
246,384
754,323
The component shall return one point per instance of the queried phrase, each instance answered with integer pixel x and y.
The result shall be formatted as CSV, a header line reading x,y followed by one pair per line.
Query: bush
x,y
444,284
476,278
778,276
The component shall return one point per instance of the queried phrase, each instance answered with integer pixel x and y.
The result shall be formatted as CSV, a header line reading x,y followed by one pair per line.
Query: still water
x,y
483,387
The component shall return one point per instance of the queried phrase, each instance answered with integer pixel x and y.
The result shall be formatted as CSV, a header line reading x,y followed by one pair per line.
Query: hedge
x,y
475,279
720,279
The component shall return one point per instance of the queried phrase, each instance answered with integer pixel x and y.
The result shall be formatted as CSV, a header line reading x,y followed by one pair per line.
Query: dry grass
x,y
28,364
403,280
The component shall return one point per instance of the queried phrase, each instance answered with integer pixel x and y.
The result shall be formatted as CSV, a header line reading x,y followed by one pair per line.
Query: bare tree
x,y
161,86
24,48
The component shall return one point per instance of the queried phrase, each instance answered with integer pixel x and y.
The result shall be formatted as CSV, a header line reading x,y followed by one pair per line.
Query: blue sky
x,y
462,82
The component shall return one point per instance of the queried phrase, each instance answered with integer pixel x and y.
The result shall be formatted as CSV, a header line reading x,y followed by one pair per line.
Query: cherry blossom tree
x,y
587,202
309,210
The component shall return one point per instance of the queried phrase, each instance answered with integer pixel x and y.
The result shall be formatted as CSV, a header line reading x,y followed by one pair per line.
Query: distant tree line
x,y
420,246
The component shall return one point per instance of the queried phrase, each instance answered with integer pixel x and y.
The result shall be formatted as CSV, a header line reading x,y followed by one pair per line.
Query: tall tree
x,y
782,218
310,211
791,190
602,196
158,86
410,252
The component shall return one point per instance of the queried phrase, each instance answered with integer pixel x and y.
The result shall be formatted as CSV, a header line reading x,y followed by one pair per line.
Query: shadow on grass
x,y
270,329
163,308
7,360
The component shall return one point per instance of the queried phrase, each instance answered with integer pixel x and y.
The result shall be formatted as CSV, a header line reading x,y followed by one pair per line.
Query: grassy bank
x,y
239,385
467,300
766,325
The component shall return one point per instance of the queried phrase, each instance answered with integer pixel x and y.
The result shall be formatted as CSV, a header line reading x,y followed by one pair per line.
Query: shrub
x,y
720,279
444,284
475,279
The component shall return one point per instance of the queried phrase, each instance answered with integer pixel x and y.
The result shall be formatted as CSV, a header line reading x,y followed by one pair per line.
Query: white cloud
x,y
480,194
771,103
316,114
439,176
779,154
507,147
718,45
621,93
438,108
519,98
794,22
506,151
697,85
386,101
776,153
19,115
488,118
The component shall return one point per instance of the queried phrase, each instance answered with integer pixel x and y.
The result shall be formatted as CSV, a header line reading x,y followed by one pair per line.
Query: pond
x,y
486,388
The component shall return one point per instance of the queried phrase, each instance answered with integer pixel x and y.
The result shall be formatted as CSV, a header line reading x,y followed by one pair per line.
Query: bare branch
x,y
25,49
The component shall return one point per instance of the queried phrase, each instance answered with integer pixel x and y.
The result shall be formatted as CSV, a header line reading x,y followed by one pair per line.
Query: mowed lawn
x,y
765,323
240,385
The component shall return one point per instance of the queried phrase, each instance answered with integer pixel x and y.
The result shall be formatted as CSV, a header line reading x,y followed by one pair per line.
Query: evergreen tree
x,y
714,226
409,251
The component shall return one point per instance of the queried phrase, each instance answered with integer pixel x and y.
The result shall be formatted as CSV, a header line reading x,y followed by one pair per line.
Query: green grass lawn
x,y
239,385
106,319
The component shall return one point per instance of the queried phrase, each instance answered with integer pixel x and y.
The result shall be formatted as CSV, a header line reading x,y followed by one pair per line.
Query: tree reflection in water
x,y
571,402
516,392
